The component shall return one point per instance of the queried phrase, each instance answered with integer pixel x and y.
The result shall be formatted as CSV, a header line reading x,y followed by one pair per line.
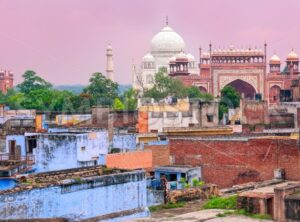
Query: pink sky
x,y
64,41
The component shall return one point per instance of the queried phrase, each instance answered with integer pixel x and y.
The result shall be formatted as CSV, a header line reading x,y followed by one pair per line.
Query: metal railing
x,y
28,159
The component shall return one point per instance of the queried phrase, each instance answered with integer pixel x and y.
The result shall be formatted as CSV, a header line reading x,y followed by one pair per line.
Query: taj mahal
x,y
165,46
247,70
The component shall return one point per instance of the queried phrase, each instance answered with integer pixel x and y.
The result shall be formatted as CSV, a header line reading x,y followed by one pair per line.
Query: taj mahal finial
x,y
167,20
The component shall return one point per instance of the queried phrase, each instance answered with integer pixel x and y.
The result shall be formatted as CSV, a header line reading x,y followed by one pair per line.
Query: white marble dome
x,y
292,55
172,59
148,58
190,57
275,58
167,40
181,55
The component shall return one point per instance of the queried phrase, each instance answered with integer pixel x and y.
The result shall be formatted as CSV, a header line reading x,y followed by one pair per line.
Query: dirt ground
x,y
191,206
192,212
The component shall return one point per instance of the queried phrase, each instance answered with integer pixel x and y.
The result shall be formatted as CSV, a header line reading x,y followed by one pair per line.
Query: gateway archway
x,y
243,88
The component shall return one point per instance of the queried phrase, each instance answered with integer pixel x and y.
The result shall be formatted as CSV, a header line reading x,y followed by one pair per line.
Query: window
x,y
157,114
210,118
172,114
30,143
2,146
83,148
187,114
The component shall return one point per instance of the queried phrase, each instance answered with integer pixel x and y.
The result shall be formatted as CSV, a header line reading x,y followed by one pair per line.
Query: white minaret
x,y
109,63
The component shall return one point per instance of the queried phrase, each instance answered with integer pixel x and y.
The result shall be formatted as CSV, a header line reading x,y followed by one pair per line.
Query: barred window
x,y
157,114
172,114
187,114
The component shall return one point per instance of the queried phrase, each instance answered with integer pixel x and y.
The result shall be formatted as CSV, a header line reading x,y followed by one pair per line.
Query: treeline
x,y
36,93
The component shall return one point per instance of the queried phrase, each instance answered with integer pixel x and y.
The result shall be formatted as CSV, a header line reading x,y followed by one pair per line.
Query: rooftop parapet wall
x,y
102,196
286,203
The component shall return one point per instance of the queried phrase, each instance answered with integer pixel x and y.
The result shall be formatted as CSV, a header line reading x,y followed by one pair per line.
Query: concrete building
x,y
97,194
70,120
277,198
175,173
14,156
58,151
155,117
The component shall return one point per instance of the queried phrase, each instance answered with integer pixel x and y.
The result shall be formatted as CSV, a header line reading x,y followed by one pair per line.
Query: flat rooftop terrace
x,y
67,177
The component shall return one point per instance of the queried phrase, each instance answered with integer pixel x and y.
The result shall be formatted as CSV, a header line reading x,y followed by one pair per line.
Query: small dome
x,y
181,55
148,58
190,57
274,58
292,55
205,55
167,40
172,59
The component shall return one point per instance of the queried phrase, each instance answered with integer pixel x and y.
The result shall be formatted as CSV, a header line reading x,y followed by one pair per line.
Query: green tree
x,y
130,99
14,99
118,105
63,101
32,82
102,90
193,92
230,98
39,99
165,86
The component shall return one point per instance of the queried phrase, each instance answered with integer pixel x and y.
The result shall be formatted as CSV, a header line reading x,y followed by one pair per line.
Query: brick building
x,y
231,160
159,116
6,81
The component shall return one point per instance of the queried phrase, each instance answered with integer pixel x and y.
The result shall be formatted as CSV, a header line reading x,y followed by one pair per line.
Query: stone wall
x,y
250,204
227,162
189,194
287,203
106,197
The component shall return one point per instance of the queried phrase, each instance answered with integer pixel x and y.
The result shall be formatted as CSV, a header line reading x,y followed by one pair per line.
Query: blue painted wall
x,y
124,141
155,197
67,150
78,201
20,141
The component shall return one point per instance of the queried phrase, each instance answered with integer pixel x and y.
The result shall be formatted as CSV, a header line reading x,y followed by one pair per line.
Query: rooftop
x,y
176,168
265,192
66,177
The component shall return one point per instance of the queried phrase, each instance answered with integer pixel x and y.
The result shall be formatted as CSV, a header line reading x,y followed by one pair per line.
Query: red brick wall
x,y
226,163
103,117
160,154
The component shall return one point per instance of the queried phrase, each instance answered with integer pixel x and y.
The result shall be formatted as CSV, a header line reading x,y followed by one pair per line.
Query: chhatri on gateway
x,y
247,70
